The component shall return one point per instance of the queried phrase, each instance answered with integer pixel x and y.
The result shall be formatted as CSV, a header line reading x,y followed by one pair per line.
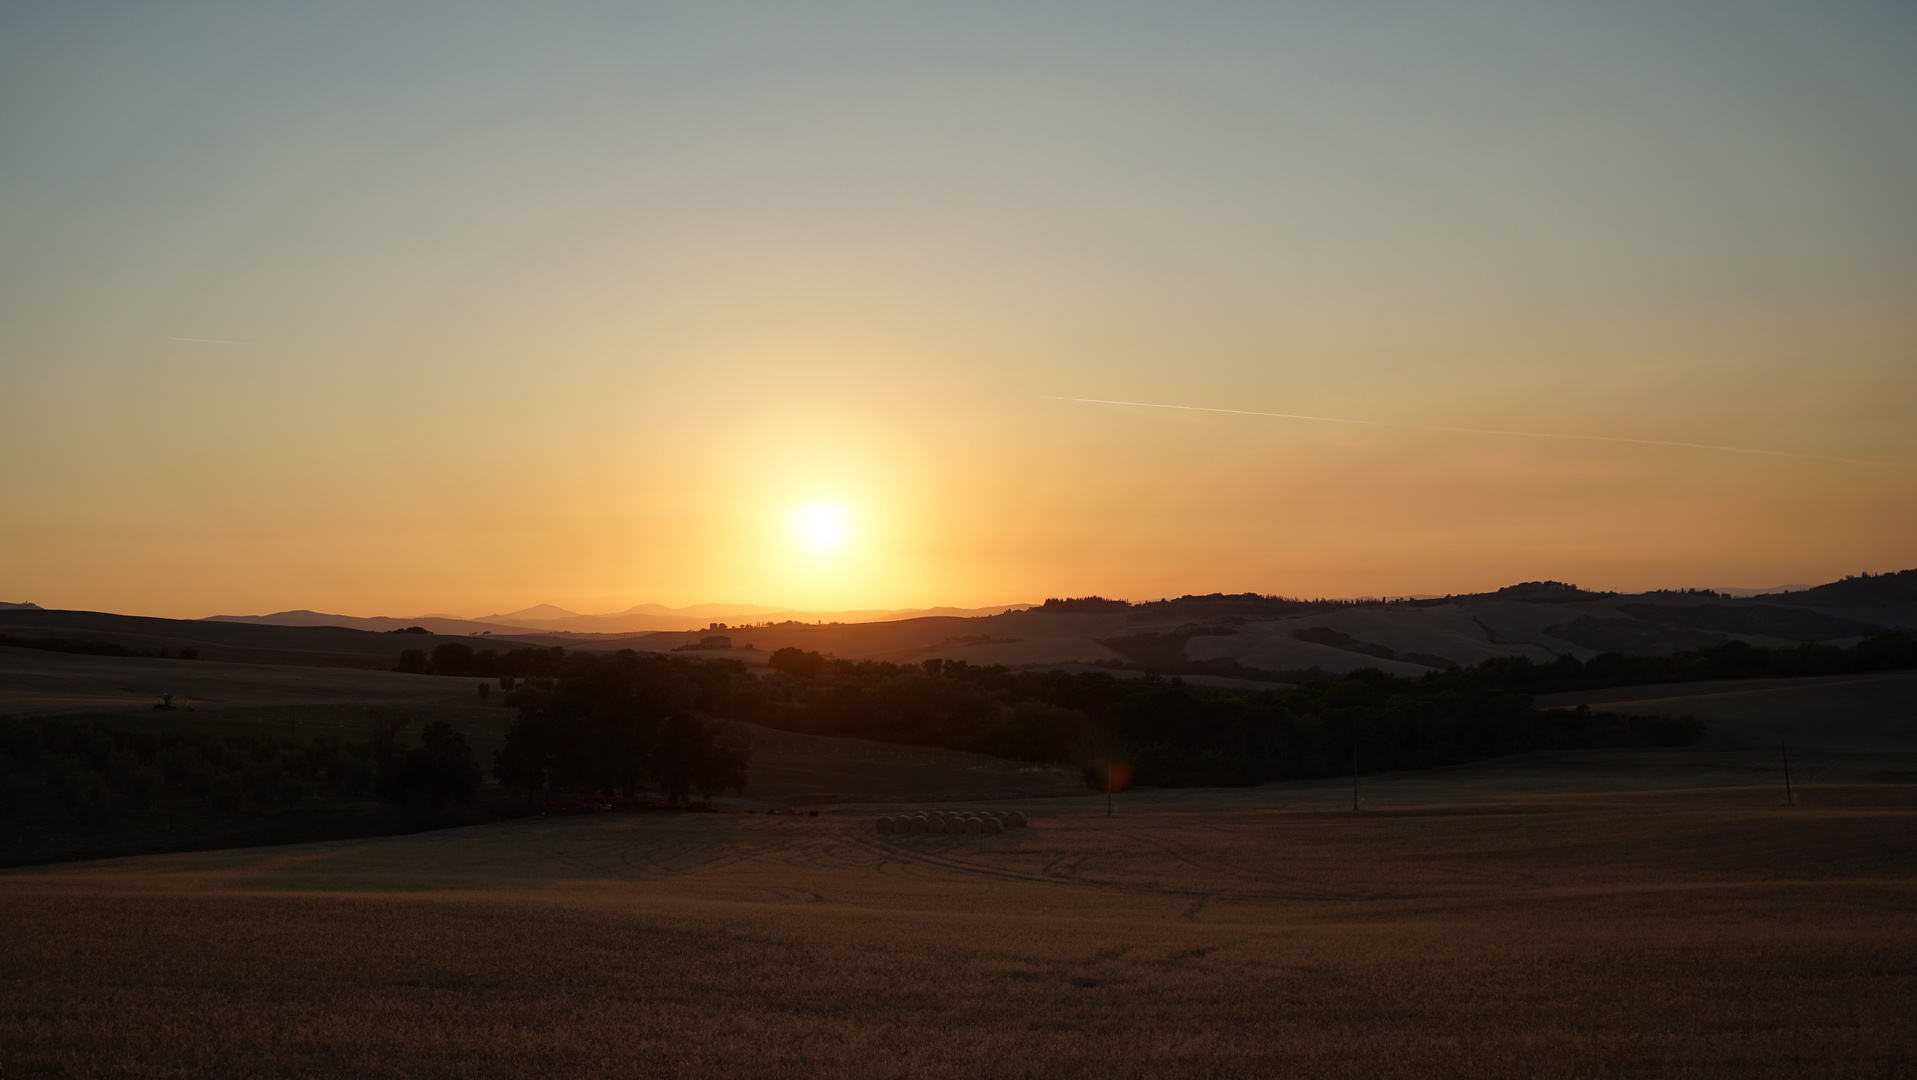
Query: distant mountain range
x,y
642,618
649,618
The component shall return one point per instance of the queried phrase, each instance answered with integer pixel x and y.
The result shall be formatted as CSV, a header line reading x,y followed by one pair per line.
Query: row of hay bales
x,y
954,821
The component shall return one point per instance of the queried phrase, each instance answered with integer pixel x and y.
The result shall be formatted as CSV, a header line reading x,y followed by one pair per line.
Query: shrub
x,y
223,793
338,769
58,737
84,794
23,743
10,793
216,754
180,766
143,745
124,776
262,784
96,749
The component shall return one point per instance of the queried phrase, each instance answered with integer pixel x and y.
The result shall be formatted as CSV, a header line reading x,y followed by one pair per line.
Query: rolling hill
x,y
1216,635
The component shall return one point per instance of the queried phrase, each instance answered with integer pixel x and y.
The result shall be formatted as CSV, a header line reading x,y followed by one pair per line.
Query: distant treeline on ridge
x,y
609,722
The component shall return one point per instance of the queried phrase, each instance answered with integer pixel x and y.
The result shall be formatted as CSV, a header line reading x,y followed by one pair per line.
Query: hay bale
x,y
1017,820
885,824
920,824
992,826
973,825
935,824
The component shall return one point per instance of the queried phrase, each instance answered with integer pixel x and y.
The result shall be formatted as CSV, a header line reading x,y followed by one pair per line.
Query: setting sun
x,y
822,526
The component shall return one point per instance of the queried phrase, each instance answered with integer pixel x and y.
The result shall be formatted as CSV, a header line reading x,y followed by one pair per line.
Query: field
x,y
38,682
1589,913
1255,933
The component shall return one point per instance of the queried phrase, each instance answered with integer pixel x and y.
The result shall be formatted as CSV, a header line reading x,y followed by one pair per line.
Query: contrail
x,y
218,341
1494,431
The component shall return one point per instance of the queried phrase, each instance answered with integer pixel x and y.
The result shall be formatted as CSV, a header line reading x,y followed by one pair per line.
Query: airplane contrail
x,y
1495,431
218,341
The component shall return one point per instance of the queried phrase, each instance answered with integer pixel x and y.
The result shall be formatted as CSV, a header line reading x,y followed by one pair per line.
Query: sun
x,y
822,526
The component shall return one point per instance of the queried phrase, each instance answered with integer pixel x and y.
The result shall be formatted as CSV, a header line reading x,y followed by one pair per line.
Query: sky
x,y
394,308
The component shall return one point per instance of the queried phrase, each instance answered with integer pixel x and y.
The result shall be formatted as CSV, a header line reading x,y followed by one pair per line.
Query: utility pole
x,y
1789,799
1354,776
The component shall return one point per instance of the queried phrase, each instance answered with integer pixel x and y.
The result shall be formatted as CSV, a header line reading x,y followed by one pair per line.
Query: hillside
x,y
1539,620
1216,635
234,642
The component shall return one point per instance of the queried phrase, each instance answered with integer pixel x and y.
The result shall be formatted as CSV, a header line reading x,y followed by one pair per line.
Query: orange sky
x,y
579,306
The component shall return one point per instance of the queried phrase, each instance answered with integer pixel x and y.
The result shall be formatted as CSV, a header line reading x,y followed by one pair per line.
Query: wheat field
x,y
1221,934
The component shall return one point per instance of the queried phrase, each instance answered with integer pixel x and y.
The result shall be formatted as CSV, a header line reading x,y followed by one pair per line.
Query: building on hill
x,y
710,641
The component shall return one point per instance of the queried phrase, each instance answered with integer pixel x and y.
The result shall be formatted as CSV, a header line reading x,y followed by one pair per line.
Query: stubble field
x,y
1252,933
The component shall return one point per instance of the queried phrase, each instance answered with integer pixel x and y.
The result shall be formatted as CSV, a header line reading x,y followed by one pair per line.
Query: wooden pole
x,y
1354,776
1789,799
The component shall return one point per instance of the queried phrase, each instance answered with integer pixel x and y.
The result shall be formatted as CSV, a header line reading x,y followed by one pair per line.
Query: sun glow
x,y
823,526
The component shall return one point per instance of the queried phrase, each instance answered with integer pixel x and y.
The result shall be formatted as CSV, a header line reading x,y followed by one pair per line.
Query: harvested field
x,y
1589,913
1253,933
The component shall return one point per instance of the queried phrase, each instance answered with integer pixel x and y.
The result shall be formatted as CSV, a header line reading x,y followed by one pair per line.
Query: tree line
x,y
1893,650
1173,733
626,722
98,772
460,659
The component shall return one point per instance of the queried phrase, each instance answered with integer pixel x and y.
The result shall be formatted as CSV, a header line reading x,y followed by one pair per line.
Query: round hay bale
x,y
885,824
992,827
920,824
1017,820
935,825
972,825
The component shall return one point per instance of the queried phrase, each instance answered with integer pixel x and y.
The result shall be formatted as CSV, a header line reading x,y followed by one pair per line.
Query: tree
x,y
698,754
439,770
454,658
613,722
726,759
520,765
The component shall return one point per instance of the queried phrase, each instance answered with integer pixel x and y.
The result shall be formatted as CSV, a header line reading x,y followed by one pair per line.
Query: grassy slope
x,y
253,643
38,682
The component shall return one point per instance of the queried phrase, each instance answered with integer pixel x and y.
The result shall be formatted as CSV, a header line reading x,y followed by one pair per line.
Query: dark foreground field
x,y
1251,933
